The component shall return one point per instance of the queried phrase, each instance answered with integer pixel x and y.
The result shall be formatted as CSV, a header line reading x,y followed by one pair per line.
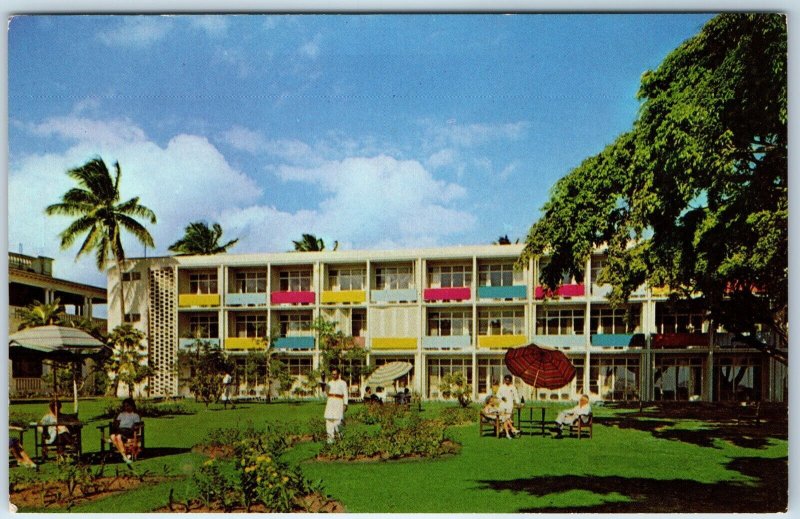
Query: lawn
x,y
650,461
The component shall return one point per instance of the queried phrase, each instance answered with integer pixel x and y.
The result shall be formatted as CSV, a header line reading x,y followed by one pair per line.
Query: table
x,y
530,422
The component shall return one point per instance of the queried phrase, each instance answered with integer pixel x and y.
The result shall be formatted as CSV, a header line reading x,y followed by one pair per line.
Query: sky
x,y
376,131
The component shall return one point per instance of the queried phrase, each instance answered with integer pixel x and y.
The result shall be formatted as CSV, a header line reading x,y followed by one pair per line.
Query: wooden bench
x,y
581,425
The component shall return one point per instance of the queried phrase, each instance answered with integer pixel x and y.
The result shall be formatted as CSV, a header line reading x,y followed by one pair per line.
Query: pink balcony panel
x,y
280,298
446,294
574,290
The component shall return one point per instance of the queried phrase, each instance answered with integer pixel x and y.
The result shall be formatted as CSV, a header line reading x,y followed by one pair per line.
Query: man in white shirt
x,y
570,416
508,396
336,405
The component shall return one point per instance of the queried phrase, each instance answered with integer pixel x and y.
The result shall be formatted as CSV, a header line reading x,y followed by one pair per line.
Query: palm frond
x,y
138,230
75,229
133,208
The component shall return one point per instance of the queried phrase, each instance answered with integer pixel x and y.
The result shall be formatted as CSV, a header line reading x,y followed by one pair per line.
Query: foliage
x,y
147,409
310,243
694,197
198,238
128,363
214,486
457,415
42,314
207,364
101,216
339,350
374,413
309,384
455,385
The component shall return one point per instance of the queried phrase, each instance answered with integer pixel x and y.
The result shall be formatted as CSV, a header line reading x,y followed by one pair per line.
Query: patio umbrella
x,y
57,344
387,373
540,367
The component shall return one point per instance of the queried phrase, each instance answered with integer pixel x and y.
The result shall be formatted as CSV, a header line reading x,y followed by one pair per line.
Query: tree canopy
x,y
201,239
694,196
310,243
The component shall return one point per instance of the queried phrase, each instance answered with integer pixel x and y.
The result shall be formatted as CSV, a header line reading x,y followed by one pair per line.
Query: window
x,y
678,378
133,318
358,323
251,282
617,320
251,325
204,326
502,275
679,321
439,367
598,264
346,279
561,321
450,323
297,366
456,276
131,276
203,283
615,378
501,322
26,368
737,379
490,373
393,278
295,281
295,324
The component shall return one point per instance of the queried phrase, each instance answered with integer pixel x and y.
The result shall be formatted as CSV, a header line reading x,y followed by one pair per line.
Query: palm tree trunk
x,y
121,290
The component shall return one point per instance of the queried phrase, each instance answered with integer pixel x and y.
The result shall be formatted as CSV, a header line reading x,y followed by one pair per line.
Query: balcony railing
x,y
28,385
343,296
300,297
509,292
618,340
194,300
571,290
186,343
246,299
447,294
244,343
449,342
394,343
501,341
295,343
562,342
393,296
679,340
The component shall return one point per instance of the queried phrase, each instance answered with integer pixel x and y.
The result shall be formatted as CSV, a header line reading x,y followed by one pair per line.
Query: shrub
x,y
147,409
383,414
214,486
457,415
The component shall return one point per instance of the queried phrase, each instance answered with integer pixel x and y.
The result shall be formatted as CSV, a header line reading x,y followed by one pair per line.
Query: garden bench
x,y
582,424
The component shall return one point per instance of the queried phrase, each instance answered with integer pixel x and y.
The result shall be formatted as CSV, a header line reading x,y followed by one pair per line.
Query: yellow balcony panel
x,y
190,300
660,291
243,343
501,341
343,296
394,343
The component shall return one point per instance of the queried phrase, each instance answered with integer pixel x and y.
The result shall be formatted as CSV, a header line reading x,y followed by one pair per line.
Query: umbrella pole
x,y
74,389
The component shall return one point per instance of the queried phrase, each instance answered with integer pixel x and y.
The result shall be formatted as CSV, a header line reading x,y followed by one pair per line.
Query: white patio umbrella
x,y
387,373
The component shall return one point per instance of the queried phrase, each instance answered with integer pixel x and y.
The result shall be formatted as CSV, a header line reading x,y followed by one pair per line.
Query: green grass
x,y
631,464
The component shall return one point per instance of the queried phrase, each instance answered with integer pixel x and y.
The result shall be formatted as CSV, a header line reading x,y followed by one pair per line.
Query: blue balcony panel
x,y
294,343
512,292
391,296
185,343
618,340
452,342
561,341
253,299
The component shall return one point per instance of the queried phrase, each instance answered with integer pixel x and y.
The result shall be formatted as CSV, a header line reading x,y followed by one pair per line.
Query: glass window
x,y
205,326
455,276
359,323
393,278
450,323
737,379
203,283
678,378
502,275
501,322
294,281
346,279
251,282
616,320
616,378
560,321
439,367
680,321
251,325
295,324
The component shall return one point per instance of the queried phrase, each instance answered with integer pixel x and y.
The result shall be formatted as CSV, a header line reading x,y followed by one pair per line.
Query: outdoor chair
x,y
489,424
749,414
65,444
133,446
582,425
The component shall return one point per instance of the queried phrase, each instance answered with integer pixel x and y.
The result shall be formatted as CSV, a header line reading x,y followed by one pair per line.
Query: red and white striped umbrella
x,y
540,367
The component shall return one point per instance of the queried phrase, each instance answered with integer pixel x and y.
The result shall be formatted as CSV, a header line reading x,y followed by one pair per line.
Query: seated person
x,y
56,434
369,396
405,396
380,393
122,428
493,410
570,416
19,453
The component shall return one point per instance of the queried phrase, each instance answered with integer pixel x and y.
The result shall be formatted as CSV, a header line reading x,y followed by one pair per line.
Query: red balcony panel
x,y
279,298
572,290
446,294
679,340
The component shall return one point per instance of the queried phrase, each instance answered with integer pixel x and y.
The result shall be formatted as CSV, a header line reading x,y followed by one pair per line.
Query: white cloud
x,y
442,158
112,132
137,31
292,151
473,134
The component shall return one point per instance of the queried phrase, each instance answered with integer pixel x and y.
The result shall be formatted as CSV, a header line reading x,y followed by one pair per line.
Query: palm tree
x,y
310,243
42,314
100,214
503,240
200,239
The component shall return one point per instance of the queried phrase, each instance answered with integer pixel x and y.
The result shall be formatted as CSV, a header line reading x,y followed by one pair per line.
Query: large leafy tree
x,y
100,215
42,314
128,362
310,243
201,239
695,195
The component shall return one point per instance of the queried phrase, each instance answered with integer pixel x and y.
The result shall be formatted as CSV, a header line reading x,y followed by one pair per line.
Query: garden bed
x,y
313,503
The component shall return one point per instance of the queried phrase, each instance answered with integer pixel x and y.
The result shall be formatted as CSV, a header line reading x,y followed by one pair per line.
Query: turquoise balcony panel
x,y
294,343
512,292
452,342
618,340
254,299
565,342
393,296
185,343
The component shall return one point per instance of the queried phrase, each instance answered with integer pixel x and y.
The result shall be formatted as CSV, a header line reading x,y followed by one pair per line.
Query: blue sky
x,y
379,131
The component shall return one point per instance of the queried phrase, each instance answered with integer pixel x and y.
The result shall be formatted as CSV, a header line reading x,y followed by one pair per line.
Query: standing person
x,y
508,395
569,416
227,384
122,428
336,405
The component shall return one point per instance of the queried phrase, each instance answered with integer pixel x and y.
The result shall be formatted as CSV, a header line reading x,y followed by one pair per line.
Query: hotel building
x,y
444,309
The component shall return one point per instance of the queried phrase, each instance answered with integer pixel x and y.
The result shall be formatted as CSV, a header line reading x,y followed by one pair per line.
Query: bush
x,y
457,415
383,414
147,409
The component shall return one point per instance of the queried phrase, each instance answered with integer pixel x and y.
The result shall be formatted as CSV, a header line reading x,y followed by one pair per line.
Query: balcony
x,y
561,342
250,299
679,340
195,300
293,298
501,341
510,292
394,343
343,296
294,343
394,296
618,340
449,342
447,294
571,290
186,343
244,343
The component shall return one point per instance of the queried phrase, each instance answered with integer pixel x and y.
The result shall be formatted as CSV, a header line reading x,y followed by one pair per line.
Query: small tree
x,y
339,350
207,363
42,314
455,385
128,362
